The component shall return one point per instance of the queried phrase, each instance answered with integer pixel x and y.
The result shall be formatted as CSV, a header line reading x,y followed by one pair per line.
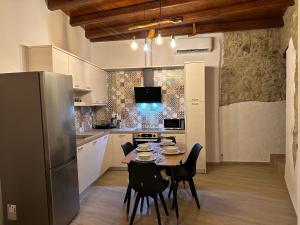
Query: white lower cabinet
x,y
83,166
117,151
107,159
90,161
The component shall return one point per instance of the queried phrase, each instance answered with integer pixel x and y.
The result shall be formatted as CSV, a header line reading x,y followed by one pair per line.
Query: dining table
x,y
164,160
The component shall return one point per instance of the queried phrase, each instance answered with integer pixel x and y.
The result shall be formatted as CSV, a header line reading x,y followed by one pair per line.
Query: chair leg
x,y
163,203
195,192
191,188
175,189
128,200
170,192
136,204
142,205
126,195
157,210
148,204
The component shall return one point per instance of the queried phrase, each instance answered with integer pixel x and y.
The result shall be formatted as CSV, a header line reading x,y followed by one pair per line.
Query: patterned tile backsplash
x,y
121,100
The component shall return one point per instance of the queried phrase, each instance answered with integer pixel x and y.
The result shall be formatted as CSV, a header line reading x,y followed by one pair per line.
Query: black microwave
x,y
174,124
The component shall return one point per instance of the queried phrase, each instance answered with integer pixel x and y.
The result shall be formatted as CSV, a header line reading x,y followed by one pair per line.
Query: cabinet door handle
x,y
95,142
195,104
79,149
195,99
121,135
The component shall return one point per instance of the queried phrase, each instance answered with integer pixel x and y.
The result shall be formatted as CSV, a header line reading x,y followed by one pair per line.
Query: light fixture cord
x,y
159,14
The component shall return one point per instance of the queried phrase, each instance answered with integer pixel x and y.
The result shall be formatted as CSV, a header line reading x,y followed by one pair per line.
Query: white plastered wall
x,y
290,172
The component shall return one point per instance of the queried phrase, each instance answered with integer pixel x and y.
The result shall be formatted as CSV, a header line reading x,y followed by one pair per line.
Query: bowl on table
x,y
145,155
143,146
166,141
171,149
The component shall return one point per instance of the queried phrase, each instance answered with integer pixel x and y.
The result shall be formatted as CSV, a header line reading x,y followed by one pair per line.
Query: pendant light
x,y
146,47
134,46
173,42
159,40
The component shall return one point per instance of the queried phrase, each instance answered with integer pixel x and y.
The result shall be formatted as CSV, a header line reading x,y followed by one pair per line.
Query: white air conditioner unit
x,y
194,45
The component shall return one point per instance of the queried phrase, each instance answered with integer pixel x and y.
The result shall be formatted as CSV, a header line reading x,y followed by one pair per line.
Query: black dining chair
x,y
187,171
127,148
146,180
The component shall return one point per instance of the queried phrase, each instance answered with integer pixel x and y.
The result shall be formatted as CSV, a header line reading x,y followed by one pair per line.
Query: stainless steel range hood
x,y
148,76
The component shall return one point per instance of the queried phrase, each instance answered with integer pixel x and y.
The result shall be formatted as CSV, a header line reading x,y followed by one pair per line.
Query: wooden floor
x,y
228,194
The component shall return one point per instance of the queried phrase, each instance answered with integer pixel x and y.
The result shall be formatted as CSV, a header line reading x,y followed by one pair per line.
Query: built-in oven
x,y
140,138
174,124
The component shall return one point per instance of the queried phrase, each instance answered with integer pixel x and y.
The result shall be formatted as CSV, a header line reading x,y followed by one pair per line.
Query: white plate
x,y
144,150
178,152
151,159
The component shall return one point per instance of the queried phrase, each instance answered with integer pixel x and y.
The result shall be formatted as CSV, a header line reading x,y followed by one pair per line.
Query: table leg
x,y
174,192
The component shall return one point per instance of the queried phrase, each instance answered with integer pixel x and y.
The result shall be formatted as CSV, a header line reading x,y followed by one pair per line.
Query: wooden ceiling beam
x,y
134,11
200,16
207,28
66,4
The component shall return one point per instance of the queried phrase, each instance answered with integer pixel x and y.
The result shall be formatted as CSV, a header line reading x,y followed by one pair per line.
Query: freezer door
x,y
64,193
58,118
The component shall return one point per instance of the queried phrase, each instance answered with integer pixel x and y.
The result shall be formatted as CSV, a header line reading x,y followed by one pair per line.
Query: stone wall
x,y
253,68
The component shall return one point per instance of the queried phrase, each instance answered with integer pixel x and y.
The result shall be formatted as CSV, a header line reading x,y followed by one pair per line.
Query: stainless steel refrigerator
x,y
38,163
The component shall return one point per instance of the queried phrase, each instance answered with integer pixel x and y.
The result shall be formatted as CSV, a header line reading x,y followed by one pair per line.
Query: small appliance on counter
x,y
113,120
101,126
174,124
116,121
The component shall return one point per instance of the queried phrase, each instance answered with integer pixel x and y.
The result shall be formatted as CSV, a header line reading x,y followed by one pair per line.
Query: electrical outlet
x,y
11,212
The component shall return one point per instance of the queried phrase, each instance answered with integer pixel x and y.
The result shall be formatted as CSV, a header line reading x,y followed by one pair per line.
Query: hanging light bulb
x,y
159,40
173,42
134,46
146,47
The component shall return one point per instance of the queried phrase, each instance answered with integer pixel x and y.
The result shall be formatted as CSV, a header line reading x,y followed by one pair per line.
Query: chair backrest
x,y
145,177
127,148
190,163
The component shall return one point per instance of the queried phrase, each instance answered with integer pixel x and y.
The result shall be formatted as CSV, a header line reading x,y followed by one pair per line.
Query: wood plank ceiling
x,y
107,20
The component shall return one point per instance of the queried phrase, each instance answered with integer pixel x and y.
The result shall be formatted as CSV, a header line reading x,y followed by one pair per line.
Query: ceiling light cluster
x,y
158,40
151,33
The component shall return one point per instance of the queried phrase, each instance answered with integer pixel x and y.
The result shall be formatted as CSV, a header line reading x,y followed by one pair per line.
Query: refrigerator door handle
x,y
65,164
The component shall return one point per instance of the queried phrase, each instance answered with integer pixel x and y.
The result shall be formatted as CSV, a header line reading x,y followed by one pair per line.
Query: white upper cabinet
x,y
47,58
195,82
76,69
60,62
87,78
96,80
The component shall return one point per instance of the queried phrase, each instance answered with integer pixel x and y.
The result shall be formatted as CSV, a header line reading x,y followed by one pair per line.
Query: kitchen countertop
x,y
93,134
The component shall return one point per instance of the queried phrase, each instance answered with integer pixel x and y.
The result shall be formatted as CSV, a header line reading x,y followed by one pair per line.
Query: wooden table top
x,y
165,160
